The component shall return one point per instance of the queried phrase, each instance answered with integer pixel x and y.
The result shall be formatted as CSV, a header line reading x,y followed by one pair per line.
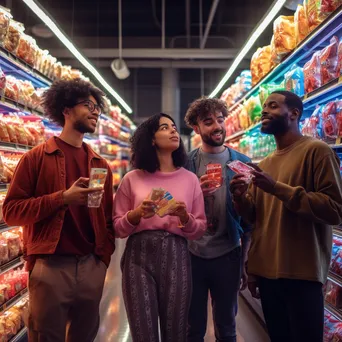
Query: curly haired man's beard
x,y
82,128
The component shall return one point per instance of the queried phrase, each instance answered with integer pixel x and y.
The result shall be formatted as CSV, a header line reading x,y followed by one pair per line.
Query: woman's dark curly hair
x,y
65,94
203,107
144,154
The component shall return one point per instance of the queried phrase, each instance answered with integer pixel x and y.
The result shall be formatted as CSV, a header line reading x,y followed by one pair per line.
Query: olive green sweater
x,y
292,235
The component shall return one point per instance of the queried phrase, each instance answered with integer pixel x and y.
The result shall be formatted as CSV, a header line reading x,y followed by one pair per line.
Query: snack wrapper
x,y
239,167
97,177
166,205
214,172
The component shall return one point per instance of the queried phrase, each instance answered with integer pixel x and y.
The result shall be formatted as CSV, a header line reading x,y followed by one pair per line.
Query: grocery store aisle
x,y
114,326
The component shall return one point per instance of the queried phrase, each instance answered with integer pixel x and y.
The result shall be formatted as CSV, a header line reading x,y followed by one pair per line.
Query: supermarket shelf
x,y
336,146
12,301
337,231
335,278
9,105
108,156
257,161
313,42
20,336
333,311
238,134
3,186
12,147
11,264
4,227
326,93
12,65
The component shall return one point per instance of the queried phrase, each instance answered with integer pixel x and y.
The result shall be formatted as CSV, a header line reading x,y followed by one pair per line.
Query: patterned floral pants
x,y
156,282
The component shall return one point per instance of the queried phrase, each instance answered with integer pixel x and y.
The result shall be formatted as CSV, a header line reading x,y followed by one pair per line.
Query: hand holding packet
x,y
214,172
97,179
165,203
241,168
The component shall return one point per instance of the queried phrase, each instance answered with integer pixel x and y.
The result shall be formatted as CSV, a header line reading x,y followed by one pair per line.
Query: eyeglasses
x,y
91,106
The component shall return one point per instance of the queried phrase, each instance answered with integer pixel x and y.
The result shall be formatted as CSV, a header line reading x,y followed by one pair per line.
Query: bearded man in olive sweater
x,y
294,197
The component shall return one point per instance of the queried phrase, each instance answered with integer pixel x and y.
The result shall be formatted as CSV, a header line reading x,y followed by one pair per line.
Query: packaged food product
x,y
329,61
11,41
326,7
294,80
4,136
267,89
165,205
254,109
301,24
156,194
10,128
5,18
214,172
261,63
312,13
12,89
24,46
331,324
312,73
239,167
333,294
13,242
284,36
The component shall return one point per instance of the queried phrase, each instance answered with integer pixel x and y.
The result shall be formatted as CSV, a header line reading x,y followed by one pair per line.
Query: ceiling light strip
x,y
272,12
71,47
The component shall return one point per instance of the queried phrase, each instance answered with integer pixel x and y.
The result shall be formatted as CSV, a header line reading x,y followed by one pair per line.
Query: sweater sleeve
x,y
20,206
122,205
246,208
324,205
197,224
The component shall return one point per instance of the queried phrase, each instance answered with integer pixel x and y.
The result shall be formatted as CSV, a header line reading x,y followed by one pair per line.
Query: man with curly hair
x,y
218,259
67,245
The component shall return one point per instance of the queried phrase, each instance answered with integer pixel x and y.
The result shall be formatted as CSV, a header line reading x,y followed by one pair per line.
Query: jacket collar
x,y
52,147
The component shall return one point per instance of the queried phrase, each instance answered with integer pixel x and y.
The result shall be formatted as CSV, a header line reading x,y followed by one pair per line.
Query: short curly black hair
x,y
65,94
202,107
144,154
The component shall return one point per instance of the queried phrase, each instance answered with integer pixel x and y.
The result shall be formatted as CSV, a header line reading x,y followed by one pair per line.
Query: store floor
x,y
114,326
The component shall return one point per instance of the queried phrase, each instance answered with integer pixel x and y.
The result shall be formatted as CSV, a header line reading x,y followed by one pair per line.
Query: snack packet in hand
x,y
166,205
214,172
239,167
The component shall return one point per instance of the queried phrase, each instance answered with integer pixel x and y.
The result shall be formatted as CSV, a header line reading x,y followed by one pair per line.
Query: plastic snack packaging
x,y
312,73
214,172
5,18
294,80
284,35
311,8
156,194
166,205
97,179
301,24
329,61
239,167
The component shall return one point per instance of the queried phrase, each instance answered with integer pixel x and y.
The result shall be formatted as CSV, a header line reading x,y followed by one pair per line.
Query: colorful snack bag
x,y
294,80
302,29
329,61
239,167
156,194
214,172
312,73
166,205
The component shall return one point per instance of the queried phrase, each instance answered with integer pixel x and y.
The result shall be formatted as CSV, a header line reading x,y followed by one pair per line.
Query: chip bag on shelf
x,y
244,118
12,88
11,41
4,136
261,63
266,90
294,80
284,36
5,18
301,23
312,73
254,109
329,61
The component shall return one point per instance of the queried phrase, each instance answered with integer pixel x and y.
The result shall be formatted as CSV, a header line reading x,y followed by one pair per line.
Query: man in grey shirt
x,y
218,258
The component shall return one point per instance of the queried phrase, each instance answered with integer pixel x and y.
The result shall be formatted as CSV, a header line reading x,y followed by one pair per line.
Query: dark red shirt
x,y
77,235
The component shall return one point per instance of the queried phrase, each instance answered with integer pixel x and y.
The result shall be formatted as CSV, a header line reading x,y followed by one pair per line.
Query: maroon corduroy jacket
x,y
34,200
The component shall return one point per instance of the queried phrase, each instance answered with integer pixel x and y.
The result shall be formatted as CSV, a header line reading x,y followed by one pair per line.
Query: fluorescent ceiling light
x,y
71,47
272,12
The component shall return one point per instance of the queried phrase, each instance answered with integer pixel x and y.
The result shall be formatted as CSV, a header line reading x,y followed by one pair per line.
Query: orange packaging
x,y
4,136
284,36
261,63
214,172
312,13
301,24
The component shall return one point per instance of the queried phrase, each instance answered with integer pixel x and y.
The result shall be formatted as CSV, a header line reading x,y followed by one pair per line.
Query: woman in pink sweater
x,y
156,273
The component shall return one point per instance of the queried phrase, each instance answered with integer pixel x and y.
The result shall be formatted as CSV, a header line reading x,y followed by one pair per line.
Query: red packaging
x,y
339,117
329,61
312,74
239,167
214,172
333,294
339,59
